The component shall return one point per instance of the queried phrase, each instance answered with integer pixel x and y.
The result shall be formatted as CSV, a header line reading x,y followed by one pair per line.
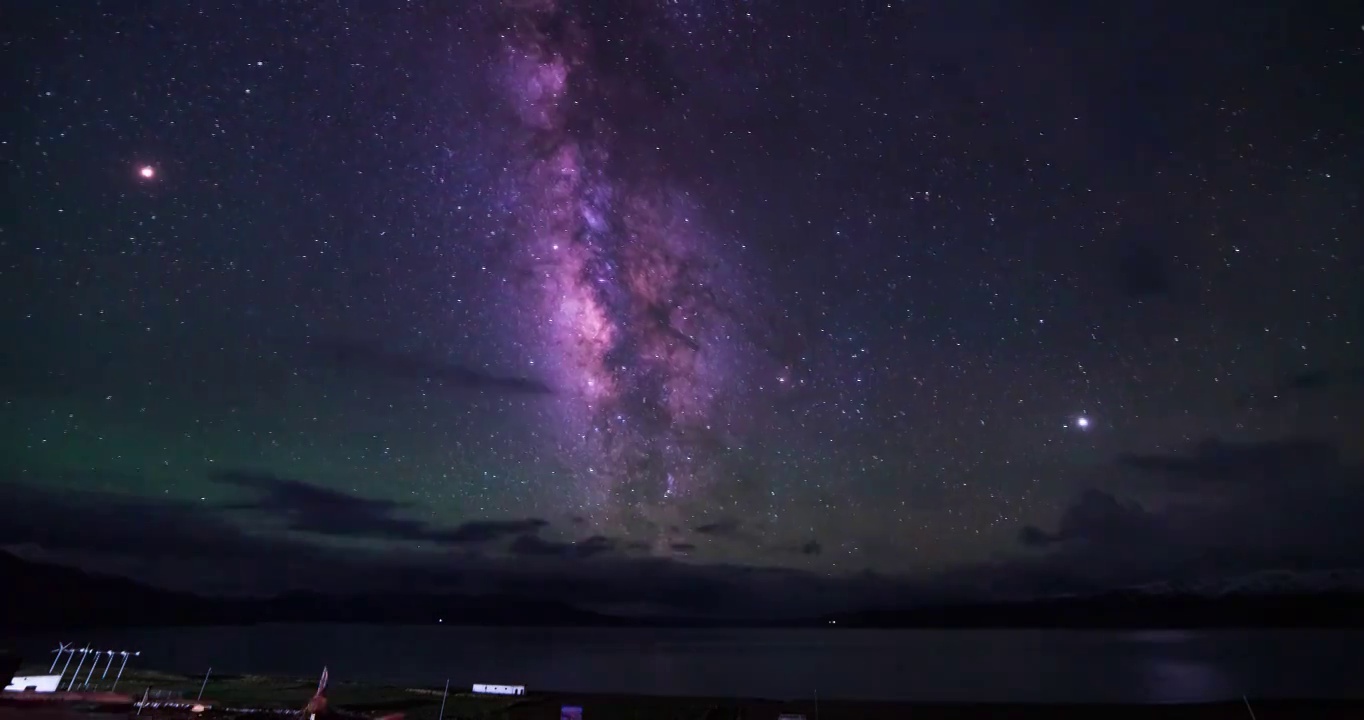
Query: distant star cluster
x,y
629,304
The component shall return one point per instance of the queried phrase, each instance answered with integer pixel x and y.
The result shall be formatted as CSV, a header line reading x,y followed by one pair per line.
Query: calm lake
x,y
923,665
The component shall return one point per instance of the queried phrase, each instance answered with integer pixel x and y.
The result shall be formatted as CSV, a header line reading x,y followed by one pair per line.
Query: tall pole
x,y
61,648
70,653
204,685
143,704
441,716
122,665
107,665
93,664
84,651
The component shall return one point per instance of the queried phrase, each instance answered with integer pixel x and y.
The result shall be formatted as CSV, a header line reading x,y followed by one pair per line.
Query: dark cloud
x,y
309,508
1220,508
163,542
733,531
585,548
1033,536
722,528
482,531
1301,513
1319,379
371,358
595,545
1307,381
166,543
1096,517
1223,462
79,520
683,547
809,548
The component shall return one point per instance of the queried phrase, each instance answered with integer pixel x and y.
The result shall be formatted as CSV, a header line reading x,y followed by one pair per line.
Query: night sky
x,y
677,297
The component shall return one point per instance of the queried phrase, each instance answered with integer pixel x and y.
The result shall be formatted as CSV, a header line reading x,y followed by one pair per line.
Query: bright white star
x,y
147,172
1082,422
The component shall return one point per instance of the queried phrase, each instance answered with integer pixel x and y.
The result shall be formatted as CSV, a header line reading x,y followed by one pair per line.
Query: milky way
x,y
633,298
819,286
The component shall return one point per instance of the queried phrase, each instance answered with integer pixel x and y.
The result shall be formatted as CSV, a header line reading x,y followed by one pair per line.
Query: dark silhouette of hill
x,y
37,595
1134,610
41,595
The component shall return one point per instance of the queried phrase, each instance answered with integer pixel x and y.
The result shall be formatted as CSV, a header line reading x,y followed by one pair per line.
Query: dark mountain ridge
x,y
1129,610
39,595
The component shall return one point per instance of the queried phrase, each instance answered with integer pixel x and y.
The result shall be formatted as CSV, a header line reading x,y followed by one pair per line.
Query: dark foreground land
x,y
248,696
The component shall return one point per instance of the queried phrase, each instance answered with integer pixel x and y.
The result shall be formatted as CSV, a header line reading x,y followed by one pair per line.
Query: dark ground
x,y
635,708
230,694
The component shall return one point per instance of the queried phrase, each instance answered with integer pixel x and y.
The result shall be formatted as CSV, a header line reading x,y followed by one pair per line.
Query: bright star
x,y
147,172
1082,422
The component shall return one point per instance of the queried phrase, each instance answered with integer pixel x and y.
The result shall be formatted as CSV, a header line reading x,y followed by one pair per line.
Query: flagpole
x,y
61,648
84,652
122,665
204,685
70,653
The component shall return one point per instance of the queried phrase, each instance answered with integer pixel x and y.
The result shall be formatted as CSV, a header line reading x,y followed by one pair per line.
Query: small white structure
x,y
34,683
499,689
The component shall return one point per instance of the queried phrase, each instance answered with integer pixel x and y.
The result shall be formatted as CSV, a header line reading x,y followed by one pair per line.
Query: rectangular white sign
x,y
499,689
39,683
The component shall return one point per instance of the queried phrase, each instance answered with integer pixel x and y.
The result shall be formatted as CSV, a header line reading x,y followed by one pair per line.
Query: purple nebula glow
x,y
629,290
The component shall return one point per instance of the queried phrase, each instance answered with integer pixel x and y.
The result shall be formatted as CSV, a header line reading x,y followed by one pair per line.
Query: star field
x,y
826,286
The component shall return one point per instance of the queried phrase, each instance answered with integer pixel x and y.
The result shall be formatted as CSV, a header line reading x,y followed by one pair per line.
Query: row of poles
x,y
87,651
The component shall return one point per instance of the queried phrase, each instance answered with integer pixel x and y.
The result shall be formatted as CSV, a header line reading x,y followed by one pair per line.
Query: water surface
x,y
917,665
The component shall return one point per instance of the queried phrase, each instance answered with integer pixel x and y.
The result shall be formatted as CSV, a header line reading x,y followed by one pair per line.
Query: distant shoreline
x,y
1329,611
423,703
62,598
1018,666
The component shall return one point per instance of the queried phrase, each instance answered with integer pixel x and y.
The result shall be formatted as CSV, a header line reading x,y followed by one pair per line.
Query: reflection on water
x,y
923,665
1186,681
1176,667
